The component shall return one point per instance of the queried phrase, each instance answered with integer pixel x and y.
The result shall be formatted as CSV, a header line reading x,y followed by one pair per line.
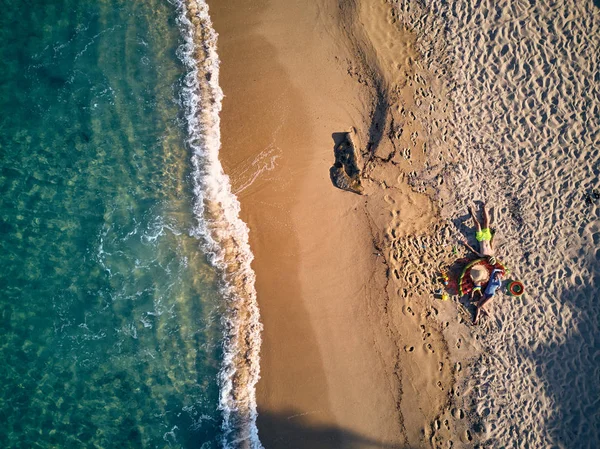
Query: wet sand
x,y
354,354
358,349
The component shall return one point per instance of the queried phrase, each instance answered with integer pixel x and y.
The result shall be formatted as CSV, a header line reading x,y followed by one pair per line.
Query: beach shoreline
x,y
348,358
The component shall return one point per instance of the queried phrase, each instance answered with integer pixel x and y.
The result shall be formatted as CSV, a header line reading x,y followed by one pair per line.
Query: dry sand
x,y
523,81
356,350
451,103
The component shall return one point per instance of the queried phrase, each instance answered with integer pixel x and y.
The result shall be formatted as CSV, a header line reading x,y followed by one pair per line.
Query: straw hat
x,y
479,274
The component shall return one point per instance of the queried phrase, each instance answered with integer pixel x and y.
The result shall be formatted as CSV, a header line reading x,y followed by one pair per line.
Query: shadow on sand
x,y
292,430
571,369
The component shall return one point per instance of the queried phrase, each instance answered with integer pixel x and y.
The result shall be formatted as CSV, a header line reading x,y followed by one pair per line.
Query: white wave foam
x,y
223,235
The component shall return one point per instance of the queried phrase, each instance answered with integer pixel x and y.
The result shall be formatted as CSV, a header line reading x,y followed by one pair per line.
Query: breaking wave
x,y
223,235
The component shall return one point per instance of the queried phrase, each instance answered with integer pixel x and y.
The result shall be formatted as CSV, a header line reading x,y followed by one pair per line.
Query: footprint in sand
x,y
398,133
388,199
457,413
408,311
433,311
413,138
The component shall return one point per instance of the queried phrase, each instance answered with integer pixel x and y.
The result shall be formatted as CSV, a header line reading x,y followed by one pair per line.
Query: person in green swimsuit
x,y
483,236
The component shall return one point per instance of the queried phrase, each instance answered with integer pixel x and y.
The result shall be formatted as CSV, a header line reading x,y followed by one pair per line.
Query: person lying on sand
x,y
479,275
483,236
488,296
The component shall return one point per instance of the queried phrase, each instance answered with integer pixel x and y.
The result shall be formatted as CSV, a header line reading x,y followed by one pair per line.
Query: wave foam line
x,y
223,235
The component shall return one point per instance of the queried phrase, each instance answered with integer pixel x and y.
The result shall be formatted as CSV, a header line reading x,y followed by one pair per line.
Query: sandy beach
x,y
263,224
345,361
358,348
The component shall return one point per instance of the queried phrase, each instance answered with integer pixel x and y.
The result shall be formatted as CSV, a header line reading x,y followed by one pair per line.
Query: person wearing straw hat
x,y
484,237
479,275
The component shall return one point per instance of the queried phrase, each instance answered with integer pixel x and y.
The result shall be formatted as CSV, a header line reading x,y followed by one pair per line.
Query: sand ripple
x,y
523,77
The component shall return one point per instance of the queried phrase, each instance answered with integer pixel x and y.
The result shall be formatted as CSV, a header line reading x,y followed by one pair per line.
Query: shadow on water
x,y
381,104
293,430
345,155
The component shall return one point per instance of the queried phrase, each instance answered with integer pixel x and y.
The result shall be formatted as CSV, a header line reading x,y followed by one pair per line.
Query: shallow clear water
x,y
110,327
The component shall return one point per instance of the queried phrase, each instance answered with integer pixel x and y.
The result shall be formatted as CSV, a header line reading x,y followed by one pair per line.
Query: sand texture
x,y
435,106
346,361
525,126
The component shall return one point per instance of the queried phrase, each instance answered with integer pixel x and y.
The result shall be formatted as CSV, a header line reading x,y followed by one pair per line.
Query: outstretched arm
x,y
464,242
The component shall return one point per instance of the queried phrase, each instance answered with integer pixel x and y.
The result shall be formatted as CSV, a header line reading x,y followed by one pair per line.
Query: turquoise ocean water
x,y
111,320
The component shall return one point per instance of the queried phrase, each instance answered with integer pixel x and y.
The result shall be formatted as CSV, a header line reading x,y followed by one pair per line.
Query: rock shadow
x,y
378,121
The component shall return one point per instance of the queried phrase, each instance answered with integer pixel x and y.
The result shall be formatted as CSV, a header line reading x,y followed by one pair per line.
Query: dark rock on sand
x,y
345,173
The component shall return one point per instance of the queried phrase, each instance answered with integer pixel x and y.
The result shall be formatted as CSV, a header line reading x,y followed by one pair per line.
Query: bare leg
x,y
486,217
476,319
485,301
477,224
481,307
473,293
